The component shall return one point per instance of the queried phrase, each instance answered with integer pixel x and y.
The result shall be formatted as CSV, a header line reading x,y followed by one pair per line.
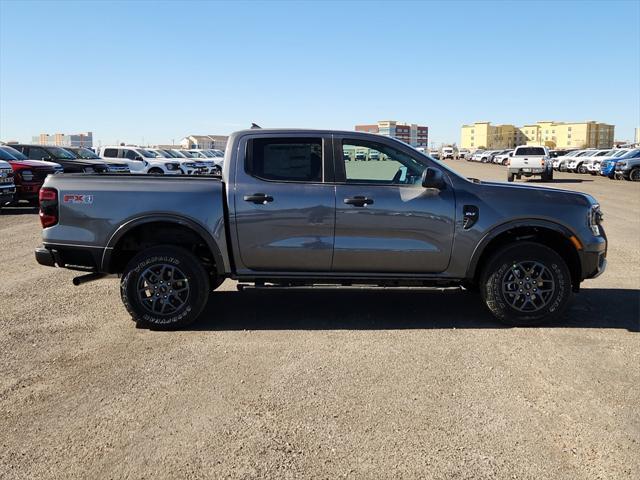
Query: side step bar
x,y
89,277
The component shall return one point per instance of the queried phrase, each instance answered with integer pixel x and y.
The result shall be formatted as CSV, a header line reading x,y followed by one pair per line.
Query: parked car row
x,y
617,163
30,164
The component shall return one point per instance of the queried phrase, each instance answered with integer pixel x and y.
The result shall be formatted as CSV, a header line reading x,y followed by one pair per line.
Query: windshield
x,y
15,153
620,153
170,154
86,154
187,154
57,152
4,155
158,153
146,153
631,154
603,153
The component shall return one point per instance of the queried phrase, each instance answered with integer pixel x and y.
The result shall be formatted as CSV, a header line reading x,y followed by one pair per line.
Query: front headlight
x,y
190,164
88,170
621,164
595,218
171,166
27,175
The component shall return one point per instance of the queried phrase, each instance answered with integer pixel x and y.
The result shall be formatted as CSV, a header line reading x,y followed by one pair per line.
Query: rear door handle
x,y
258,198
358,201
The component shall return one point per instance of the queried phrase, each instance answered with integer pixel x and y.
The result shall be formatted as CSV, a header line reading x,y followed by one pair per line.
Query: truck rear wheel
x,y
526,284
510,177
164,287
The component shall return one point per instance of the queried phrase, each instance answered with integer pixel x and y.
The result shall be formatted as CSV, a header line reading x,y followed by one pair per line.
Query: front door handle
x,y
358,201
258,198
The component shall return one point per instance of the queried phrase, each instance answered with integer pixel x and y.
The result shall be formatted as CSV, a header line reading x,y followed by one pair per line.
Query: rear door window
x,y
111,152
285,159
36,153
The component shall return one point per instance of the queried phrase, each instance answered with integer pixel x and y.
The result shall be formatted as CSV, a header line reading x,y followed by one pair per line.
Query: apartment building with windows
x,y
411,133
552,134
84,139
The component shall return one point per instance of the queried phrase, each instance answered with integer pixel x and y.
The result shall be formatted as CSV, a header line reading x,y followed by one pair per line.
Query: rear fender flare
x,y
125,228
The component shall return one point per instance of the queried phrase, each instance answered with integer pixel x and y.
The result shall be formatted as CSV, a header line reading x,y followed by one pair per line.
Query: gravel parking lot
x,y
321,384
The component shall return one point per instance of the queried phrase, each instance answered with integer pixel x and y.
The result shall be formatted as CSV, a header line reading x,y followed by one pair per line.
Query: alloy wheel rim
x,y
528,286
635,175
163,289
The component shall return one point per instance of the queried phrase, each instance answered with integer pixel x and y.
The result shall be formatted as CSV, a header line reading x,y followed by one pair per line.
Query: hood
x,y
535,193
33,164
83,161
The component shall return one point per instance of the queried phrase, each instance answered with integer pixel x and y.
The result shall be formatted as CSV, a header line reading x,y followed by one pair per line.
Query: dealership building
x,y
411,133
589,134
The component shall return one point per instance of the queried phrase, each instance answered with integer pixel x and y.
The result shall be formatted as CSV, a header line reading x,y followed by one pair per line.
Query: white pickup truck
x,y
528,161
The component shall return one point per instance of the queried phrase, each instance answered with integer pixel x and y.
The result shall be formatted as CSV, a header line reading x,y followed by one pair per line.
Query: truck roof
x,y
310,131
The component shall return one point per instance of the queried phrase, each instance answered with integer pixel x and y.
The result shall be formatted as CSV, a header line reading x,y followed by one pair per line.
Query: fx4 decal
x,y
76,198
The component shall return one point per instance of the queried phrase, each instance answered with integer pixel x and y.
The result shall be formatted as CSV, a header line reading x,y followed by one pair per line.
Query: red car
x,y
29,175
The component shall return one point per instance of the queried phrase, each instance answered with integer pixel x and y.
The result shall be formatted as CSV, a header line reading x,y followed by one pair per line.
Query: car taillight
x,y
48,206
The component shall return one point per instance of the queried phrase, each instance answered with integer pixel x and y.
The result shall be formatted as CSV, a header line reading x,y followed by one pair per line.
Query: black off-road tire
x,y
511,177
499,270
634,175
194,276
156,171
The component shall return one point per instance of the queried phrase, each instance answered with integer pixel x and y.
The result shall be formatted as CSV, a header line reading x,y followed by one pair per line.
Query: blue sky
x,y
151,72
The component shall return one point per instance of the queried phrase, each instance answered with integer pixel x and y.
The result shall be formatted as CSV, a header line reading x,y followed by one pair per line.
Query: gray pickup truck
x,y
290,210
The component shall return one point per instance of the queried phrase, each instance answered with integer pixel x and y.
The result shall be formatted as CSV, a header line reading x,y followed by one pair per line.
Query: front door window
x,y
376,164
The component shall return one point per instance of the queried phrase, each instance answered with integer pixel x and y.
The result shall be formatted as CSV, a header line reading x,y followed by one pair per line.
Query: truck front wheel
x,y
526,284
164,287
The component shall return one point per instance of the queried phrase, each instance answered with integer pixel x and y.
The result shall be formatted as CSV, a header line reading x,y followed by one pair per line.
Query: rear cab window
x,y
533,151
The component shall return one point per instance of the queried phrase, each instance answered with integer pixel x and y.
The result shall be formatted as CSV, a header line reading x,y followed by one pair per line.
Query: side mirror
x,y
432,178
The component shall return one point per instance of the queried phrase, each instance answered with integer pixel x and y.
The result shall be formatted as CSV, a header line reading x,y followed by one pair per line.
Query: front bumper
x,y
7,195
194,171
527,171
27,191
593,258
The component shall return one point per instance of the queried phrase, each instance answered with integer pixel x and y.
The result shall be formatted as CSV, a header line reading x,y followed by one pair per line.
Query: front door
x,y
386,222
134,160
284,204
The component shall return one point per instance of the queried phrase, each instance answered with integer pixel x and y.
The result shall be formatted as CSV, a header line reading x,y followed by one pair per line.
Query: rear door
x,y
386,222
284,203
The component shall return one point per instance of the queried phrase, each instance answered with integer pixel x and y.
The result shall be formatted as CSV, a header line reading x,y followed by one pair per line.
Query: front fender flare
x,y
504,227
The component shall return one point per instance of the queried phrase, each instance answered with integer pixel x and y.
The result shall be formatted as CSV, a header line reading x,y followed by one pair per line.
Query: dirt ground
x,y
322,384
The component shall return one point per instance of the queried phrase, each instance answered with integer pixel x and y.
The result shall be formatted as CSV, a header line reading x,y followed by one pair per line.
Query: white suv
x,y
141,160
